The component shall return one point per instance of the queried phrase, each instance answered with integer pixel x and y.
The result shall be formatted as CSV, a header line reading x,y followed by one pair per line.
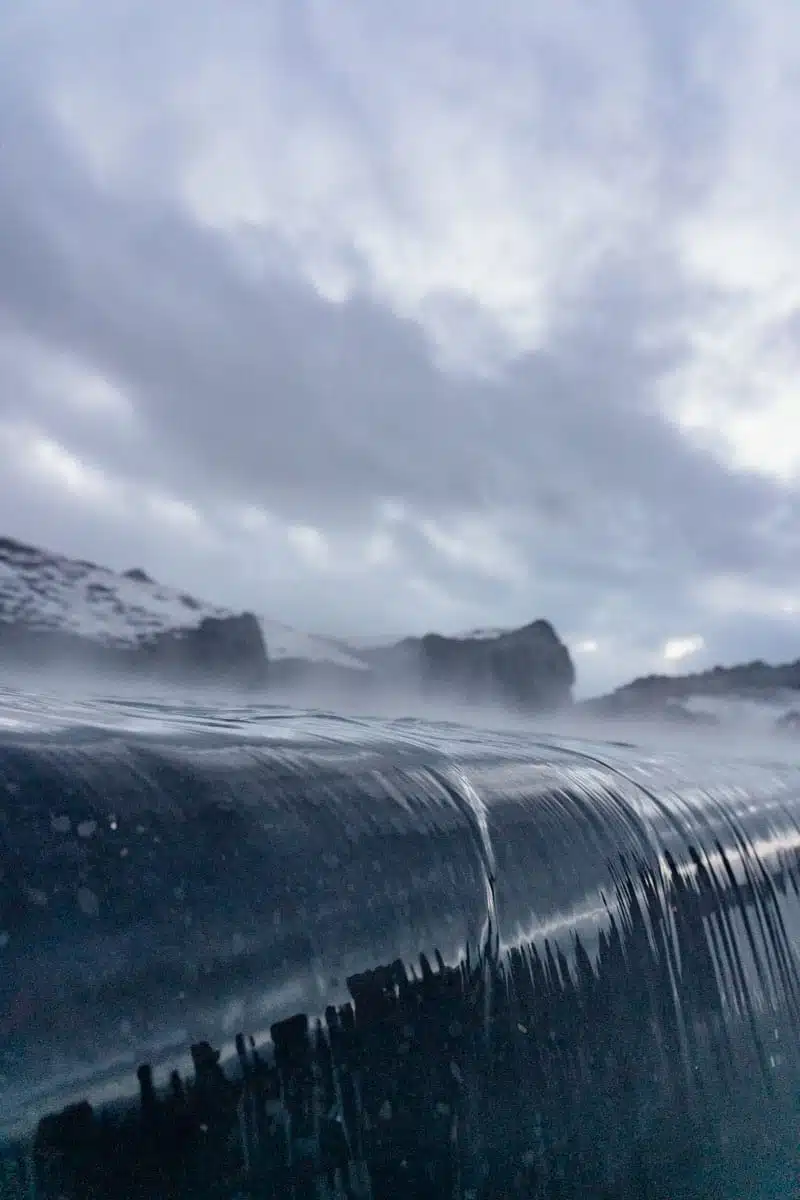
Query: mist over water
x,y
547,961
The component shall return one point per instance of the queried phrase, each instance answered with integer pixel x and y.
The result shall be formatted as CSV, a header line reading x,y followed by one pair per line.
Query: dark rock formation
x,y
227,650
137,575
528,668
56,611
221,649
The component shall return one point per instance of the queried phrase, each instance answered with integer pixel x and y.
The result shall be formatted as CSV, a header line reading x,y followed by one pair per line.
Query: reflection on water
x,y
269,955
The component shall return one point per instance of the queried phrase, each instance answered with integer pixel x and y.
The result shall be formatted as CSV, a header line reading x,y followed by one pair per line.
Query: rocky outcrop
x,y
528,668
220,649
57,612
62,612
228,650
137,575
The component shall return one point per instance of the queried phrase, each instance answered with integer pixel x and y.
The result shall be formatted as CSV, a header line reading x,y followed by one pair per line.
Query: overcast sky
x,y
433,315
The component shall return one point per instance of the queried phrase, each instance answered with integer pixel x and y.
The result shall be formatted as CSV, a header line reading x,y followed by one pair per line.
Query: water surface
x,y
461,960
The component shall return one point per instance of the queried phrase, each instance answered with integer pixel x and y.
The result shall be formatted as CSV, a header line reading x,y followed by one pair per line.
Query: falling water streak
x,y
475,811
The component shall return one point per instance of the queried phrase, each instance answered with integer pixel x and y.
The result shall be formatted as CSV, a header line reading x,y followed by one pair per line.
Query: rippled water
x,y
462,962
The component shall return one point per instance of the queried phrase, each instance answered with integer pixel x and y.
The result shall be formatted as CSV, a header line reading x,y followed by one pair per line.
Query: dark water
x,y
245,952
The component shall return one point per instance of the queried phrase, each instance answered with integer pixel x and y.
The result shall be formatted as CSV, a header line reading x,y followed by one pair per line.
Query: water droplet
x,y
88,902
87,828
60,824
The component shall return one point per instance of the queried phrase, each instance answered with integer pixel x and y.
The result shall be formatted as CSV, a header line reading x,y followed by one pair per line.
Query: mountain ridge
x,y
54,605
50,592
57,609
755,679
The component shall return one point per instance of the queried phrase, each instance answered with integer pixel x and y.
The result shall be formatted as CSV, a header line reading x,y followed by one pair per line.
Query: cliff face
x,y
222,649
528,668
58,611
51,605
227,650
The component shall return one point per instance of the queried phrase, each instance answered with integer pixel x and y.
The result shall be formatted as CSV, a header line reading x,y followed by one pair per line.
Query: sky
x,y
392,318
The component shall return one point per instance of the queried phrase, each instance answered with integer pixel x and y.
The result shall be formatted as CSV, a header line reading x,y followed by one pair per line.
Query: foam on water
x,y
545,966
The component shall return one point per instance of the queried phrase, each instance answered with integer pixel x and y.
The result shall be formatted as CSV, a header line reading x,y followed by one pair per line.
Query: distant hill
x,y
55,606
659,693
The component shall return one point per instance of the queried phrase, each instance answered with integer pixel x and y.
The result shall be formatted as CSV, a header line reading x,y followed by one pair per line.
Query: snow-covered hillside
x,y
50,592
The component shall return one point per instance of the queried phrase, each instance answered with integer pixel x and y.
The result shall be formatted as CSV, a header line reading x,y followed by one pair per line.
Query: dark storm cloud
x,y
551,483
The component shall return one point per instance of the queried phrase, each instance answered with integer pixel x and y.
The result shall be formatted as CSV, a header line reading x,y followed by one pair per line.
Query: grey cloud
x,y
252,388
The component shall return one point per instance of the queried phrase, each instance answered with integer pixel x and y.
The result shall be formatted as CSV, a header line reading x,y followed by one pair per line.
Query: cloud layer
x,y
425,321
